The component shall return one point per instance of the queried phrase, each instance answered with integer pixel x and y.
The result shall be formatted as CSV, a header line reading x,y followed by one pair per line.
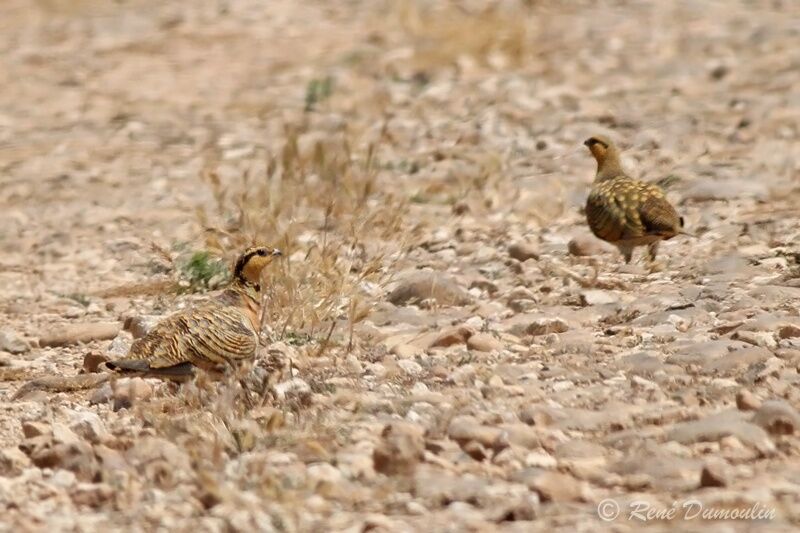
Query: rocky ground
x,y
446,348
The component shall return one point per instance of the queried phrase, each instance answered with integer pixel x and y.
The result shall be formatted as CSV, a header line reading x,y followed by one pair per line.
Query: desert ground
x,y
446,347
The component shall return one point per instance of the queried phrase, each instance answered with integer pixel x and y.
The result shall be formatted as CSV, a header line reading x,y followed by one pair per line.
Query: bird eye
x,y
262,252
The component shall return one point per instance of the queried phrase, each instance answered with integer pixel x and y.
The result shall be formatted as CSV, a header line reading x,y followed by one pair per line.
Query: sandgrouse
x,y
624,211
210,335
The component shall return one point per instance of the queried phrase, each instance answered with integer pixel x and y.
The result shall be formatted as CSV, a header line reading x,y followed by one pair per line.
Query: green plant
x,y
202,271
317,91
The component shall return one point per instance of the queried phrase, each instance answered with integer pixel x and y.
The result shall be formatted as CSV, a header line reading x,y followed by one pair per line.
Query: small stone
x,y
463,375
353,364
523,305
520,293
540,460
715,473
155,456
464,429
723,383
460,208
80,333
496,381
101,395
110,459
76,456
92,495
543,326
73,312
789,332
535,416
401,448
554,486
64,435
579,449
715,427
63,479
416,508
562,385
449,337
92,361
483,342
598,297
730,443
120,345
420,286
523,250
89,426
127,391
410,367
476,450
585,245
718,71
475,322
777,417
405,351
12,343
13,461
35,429
746,401
756,338
324,473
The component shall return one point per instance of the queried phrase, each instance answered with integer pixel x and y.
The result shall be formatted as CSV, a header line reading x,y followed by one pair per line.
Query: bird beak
x,y
586,143
276,252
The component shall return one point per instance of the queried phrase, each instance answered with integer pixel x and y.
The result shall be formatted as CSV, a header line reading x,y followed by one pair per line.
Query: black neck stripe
x,y
241,263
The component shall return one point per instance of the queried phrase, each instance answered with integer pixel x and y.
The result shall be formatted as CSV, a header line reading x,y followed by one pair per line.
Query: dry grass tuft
x,y
317,199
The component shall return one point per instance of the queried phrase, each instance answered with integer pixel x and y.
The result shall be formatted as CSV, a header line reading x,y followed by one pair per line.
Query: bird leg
x,y
652,251
626,251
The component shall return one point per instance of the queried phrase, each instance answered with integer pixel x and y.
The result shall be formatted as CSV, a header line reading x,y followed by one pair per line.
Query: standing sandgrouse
x,y
624,211
210,335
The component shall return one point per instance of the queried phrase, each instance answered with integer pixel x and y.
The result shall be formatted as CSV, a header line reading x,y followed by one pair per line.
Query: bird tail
x,y
142,367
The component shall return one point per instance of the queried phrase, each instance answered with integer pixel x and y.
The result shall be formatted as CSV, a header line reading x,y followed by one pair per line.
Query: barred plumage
x,y
211,335
624,211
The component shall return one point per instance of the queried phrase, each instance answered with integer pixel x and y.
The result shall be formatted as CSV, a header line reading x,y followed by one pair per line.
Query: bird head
x,y
606,154
599,145
252,261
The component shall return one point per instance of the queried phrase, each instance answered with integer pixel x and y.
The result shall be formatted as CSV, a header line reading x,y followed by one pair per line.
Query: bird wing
x,y
160,347
204,336
218,335
606,217
657,214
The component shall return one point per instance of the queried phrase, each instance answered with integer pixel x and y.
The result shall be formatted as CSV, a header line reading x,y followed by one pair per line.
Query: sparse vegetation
x,y
202,271
318,90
